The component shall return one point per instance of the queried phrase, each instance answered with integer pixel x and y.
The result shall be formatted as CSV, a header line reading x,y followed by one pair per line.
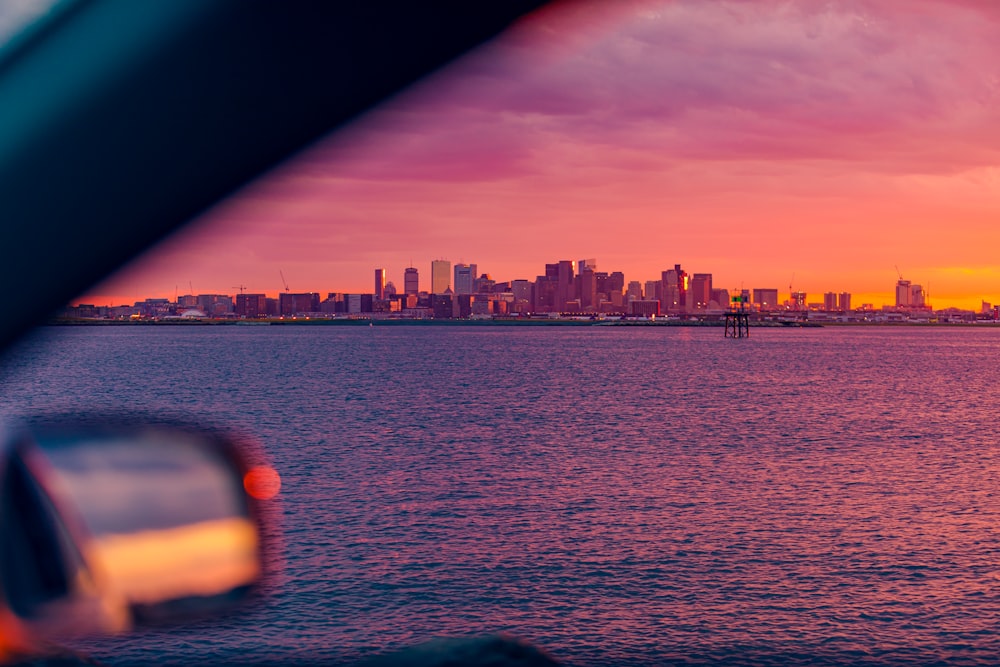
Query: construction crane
x,y
283,282
898,272
241,288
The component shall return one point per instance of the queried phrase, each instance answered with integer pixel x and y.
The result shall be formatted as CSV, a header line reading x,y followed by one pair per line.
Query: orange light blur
x,y
262,483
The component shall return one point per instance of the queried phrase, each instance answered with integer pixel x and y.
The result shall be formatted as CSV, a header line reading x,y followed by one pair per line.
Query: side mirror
x,y
108,523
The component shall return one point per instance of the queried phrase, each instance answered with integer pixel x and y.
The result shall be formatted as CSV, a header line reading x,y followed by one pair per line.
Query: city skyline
x,y
812,146
564,286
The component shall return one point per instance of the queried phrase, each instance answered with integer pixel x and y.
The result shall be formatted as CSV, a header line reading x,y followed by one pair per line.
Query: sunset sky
x,y
819,144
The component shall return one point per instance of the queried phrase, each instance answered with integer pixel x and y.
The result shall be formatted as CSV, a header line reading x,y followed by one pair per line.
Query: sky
x,y
818,145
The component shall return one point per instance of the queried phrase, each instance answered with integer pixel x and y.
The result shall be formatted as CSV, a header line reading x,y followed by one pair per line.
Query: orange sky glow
x,y
814,144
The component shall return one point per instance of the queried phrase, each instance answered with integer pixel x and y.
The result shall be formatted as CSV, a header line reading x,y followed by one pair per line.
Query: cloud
x,y
658,133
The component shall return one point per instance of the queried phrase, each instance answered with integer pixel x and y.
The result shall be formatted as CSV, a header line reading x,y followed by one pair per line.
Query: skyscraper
x,y
830,301
700,293
465,278
379,283
588,288
565,292
673,290
440,276
411,281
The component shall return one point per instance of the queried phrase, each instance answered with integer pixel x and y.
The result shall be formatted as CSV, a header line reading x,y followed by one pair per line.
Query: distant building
x,y
524,293
673,290
379,284
440,276
652,291
644,308
441,306
566,291
765,298
292,304
251,305
411,281
918,299
844,301
903,293
587,290
215,305
465,278
830,301
545,294
634,291
700,292
797,301
484,284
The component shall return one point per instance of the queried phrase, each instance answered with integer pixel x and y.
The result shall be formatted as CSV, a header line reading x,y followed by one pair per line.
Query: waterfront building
x,y
411,281
765,298
379,284
830,301
644,308
215,305
700,293
634,291
290,304
251,305
844,301
440,276
918,298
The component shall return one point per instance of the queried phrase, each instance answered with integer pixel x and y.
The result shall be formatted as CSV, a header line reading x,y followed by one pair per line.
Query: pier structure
x,y
738,319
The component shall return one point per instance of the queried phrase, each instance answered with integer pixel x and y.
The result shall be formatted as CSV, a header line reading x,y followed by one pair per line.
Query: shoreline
x,y
499,322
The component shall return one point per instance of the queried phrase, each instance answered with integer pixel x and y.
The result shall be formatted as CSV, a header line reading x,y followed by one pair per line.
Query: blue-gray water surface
x,y
616,495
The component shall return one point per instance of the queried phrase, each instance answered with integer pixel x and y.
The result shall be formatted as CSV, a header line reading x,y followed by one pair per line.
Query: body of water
x,y
614,495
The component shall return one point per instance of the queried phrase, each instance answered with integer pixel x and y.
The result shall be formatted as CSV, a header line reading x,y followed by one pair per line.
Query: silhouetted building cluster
x,y
567,287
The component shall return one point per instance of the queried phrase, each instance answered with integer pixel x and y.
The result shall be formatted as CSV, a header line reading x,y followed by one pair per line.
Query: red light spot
x,y
262,483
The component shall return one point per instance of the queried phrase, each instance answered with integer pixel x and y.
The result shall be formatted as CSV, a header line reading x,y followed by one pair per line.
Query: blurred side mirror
x,y
106,523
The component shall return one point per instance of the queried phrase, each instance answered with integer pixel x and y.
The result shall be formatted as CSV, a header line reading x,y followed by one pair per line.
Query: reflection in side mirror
x,y
105,524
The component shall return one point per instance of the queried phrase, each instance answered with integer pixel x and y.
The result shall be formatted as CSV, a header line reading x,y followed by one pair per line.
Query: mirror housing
x,y
111,522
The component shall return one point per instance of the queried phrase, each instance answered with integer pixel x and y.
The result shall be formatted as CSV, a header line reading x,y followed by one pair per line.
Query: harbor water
x,y
615,495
